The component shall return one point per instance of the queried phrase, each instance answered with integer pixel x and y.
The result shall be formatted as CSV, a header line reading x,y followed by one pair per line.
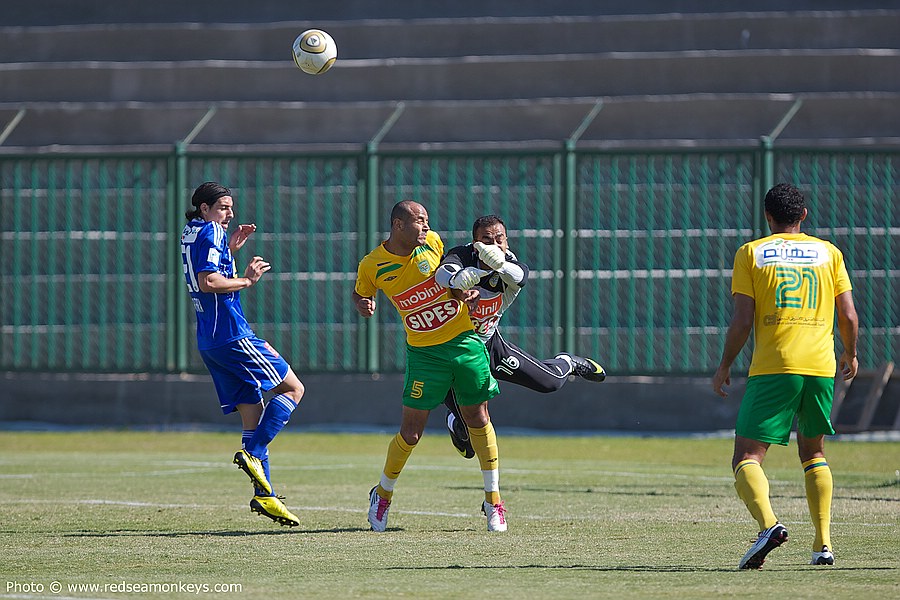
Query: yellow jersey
x,y
430,315
793,279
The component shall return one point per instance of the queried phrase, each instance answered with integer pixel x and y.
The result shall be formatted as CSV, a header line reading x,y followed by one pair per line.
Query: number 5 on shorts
x,y
416,391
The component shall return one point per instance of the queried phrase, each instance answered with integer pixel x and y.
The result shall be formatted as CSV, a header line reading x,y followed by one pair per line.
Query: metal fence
x,y
630,252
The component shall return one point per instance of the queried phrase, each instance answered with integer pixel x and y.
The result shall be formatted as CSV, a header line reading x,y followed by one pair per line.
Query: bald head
x,y
409,227
405,210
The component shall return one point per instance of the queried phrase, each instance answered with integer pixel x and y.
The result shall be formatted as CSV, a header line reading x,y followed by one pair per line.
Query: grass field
x,y
589,517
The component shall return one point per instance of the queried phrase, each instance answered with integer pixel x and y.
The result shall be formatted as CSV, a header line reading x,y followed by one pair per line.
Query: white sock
x,y
491,480
387,484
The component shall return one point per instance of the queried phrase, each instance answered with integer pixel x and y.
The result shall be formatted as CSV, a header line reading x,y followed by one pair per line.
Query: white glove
x,y
493,256
467,278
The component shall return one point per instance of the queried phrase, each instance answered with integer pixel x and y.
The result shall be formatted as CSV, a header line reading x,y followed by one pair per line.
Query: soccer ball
x,y
314,51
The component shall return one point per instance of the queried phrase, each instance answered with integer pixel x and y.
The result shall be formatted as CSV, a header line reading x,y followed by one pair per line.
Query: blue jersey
x,y
220,318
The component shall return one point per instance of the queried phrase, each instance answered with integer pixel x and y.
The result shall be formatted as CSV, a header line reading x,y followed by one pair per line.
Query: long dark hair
x,y
206,193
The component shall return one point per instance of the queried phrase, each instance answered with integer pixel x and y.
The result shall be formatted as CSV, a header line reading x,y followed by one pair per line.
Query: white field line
x,y
342,509
209,467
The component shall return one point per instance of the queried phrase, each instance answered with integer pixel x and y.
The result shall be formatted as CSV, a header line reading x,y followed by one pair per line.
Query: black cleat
x,y
767,541
585,367
459,435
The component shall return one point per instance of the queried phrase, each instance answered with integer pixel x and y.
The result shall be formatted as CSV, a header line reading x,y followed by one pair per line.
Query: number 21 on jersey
x,y
788,293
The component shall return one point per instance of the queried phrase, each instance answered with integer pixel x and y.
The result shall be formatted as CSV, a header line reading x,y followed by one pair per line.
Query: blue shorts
x,y
243,369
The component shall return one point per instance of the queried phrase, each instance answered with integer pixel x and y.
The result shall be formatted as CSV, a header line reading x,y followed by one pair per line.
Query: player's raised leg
x,y
459,432
586,368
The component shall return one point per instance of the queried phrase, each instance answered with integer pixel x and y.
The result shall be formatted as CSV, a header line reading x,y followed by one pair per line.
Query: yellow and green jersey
x,y
429,314
794,279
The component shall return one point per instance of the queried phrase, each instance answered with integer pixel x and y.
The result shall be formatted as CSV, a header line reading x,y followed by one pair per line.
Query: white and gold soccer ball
x,y
314,51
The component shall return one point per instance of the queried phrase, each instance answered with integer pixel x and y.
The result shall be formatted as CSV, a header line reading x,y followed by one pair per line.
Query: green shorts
x,y
462,363
771,401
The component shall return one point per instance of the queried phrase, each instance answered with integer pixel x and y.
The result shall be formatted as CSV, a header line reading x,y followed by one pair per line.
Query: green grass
x,y
589,517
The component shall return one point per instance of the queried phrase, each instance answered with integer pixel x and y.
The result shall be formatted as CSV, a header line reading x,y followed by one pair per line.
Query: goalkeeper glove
x,y
493,256
467,278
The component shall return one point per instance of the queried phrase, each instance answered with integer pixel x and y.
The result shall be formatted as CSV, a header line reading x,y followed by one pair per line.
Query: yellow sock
x,y
398,452
819,487
484,442
753,488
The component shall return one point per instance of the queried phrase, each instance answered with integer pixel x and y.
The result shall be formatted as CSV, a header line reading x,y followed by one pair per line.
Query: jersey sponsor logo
x,y
189,234
789,252
432,317
786,320
418,295
484,327
487,307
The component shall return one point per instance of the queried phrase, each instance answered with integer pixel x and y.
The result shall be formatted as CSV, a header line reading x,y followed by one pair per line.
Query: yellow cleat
x,y
274,508
252,466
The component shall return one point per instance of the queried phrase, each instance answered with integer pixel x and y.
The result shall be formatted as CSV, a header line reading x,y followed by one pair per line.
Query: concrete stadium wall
x,y
481,78
632,404
488,36
363,402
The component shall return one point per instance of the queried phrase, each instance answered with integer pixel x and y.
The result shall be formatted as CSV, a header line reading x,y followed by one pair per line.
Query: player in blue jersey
x,y
242,365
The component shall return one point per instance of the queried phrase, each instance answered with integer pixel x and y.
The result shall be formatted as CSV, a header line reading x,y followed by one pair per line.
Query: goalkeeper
x,y
491,278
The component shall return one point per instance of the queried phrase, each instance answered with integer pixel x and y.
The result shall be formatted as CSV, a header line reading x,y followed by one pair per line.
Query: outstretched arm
x,y
738,331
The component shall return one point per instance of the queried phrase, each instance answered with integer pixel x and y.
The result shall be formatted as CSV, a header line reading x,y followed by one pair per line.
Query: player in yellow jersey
x,y
442,352
786,288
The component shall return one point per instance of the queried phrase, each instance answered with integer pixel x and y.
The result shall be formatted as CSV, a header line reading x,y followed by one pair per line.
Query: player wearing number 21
x,y
786,289
442,351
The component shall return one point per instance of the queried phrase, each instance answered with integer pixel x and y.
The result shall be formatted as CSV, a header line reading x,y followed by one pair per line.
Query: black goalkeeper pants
x,y
511,363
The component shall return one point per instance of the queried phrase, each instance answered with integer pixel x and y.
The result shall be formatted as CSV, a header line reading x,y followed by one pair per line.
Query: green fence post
x,y
767,165
373,362
176,223
565,223
569,227
173,259
765,182
371,224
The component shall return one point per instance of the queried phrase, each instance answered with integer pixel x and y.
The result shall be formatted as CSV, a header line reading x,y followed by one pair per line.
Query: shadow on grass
x,y
201,533
635,568
656,492
609,492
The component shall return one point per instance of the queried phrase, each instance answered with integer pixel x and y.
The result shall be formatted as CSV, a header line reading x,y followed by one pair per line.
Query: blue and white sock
x,y
275,416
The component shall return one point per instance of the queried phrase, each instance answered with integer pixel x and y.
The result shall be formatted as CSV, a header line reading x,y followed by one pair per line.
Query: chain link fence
x,y
630,252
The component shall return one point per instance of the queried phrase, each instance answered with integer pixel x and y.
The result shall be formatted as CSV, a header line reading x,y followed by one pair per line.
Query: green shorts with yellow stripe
x,y
461,363
771,401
